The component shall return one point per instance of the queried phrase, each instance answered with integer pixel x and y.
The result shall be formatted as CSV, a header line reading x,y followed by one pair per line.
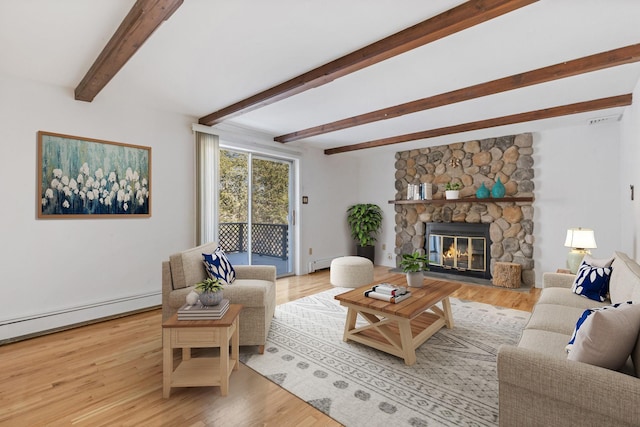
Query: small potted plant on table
x,y
452,190
210,291
414,264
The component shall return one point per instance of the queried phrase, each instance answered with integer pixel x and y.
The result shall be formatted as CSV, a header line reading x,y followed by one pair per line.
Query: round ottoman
x,y
351,271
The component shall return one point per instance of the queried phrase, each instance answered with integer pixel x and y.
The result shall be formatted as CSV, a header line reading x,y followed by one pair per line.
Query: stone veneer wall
x,y
478,161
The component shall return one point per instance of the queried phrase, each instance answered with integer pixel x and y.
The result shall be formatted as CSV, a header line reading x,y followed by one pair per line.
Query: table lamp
x,y
580,240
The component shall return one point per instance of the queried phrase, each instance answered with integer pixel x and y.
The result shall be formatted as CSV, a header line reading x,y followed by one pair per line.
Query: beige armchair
x,y
254,288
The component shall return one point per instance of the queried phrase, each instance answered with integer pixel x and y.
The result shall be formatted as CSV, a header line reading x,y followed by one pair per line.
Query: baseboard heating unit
x,y
320,264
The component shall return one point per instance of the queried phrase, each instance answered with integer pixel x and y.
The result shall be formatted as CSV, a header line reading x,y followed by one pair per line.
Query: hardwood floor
x,y
110,374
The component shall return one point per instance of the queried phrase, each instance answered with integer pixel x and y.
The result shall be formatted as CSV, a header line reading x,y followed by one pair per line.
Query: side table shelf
x,y
463,200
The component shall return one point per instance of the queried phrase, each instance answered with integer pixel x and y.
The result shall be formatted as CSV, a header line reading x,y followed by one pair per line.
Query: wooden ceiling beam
x,y
142,20
452,21
564,110
599,61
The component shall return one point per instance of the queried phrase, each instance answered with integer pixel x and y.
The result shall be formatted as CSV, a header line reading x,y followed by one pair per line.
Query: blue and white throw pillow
x,y
218,266
592,282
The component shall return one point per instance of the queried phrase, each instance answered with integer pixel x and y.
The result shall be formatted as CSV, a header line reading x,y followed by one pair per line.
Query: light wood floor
x,y
110,374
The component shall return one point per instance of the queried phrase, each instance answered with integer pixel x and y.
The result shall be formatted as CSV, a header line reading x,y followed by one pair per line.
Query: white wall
x,y
84,269
630,175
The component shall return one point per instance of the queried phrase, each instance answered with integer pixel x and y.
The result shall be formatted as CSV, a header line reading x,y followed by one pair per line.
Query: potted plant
x,y
210,291
365,220
452,190
414,264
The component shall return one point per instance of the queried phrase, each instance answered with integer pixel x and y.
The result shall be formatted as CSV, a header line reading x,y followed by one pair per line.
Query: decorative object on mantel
x,y
482,192
452,190
365,220
580,240
422,191
498,189
414,264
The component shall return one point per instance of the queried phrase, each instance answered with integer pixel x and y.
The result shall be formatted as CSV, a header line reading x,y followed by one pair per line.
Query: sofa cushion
x,y
218,266
248,292
554,318
607,336
592,282
550,343
187,268
564,296
625,282
635,356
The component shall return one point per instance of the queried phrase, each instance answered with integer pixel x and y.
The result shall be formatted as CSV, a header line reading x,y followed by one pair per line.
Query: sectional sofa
x,y
539,386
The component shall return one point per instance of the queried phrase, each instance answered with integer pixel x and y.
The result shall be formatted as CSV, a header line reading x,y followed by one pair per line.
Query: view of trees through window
x,y
270,185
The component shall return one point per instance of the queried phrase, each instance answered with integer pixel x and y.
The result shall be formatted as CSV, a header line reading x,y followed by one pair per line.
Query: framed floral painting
x,y
88,178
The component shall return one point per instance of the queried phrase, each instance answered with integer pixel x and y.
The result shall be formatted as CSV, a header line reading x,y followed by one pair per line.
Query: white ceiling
x,y
212,53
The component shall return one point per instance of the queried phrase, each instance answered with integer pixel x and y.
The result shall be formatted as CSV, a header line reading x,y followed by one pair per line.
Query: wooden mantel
x,y
464,200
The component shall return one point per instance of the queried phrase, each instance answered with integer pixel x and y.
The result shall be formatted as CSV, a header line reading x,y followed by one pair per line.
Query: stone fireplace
x,y
509,220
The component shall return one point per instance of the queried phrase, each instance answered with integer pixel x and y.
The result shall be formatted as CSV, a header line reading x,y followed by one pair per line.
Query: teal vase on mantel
x,y
498,190
482,192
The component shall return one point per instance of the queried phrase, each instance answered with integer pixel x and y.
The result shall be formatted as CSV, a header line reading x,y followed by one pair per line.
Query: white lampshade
x,y
582,238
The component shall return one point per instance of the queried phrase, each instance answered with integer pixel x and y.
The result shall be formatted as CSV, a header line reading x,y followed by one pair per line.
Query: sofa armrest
x,y
257,272
572,386
557,280
167,287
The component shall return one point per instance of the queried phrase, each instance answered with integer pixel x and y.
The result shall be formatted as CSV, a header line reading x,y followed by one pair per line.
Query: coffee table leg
x,y
406,340
448,317
350,324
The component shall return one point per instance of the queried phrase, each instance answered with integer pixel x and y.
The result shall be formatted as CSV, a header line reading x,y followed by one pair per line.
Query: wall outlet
x,y
310,251
389,256
384,247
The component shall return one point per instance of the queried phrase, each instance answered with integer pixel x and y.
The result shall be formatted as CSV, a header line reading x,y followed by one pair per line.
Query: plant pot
x,y
415,279
211,298
452,194
368,252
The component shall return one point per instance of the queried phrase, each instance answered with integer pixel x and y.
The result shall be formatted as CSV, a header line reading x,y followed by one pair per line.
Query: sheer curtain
x,y
207,152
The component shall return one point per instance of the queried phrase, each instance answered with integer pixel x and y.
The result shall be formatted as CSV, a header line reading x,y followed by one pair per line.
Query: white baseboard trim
x,y
56,319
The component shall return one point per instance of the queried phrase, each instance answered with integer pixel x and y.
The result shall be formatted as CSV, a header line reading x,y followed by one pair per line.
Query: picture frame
x,y
85,178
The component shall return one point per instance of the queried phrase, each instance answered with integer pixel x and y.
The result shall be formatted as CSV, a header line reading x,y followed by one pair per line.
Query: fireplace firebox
x,y
459,248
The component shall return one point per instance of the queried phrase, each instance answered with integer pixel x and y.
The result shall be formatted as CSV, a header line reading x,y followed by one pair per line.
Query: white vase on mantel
x,y
452,194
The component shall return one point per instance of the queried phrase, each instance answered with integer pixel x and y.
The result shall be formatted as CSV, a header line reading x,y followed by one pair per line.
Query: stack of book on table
x,y
203,312
388,292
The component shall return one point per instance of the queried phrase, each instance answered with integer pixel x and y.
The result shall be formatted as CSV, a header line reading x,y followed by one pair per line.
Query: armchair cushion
x,y
218,266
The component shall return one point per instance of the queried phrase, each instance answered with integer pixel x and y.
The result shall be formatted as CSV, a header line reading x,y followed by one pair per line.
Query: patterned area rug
x,y
453,383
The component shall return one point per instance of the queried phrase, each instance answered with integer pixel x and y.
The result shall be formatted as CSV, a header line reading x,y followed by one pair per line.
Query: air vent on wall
x,y
605,119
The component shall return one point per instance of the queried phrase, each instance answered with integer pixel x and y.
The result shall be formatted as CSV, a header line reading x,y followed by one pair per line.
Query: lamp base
x,y
574,259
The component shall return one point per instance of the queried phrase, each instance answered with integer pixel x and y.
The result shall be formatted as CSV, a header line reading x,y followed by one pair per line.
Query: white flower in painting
x,y
107,200
89,182
123,183
127,197
65,204
96,193
101,200
76,191
129,187
55,183
65,180
136,186
136,176
73,184
90,195
96,184
99,174
129,174
144,181
48,193
85,169
112,177
115,187
80,179
67,191
125,206
103,182
44,201
83,194
57,173
120,195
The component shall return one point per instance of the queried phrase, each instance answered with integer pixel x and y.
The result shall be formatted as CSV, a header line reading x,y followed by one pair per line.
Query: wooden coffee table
x,y
400,328
200,371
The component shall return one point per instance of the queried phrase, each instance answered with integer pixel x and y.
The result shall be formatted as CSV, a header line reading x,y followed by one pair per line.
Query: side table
x,y
200,371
